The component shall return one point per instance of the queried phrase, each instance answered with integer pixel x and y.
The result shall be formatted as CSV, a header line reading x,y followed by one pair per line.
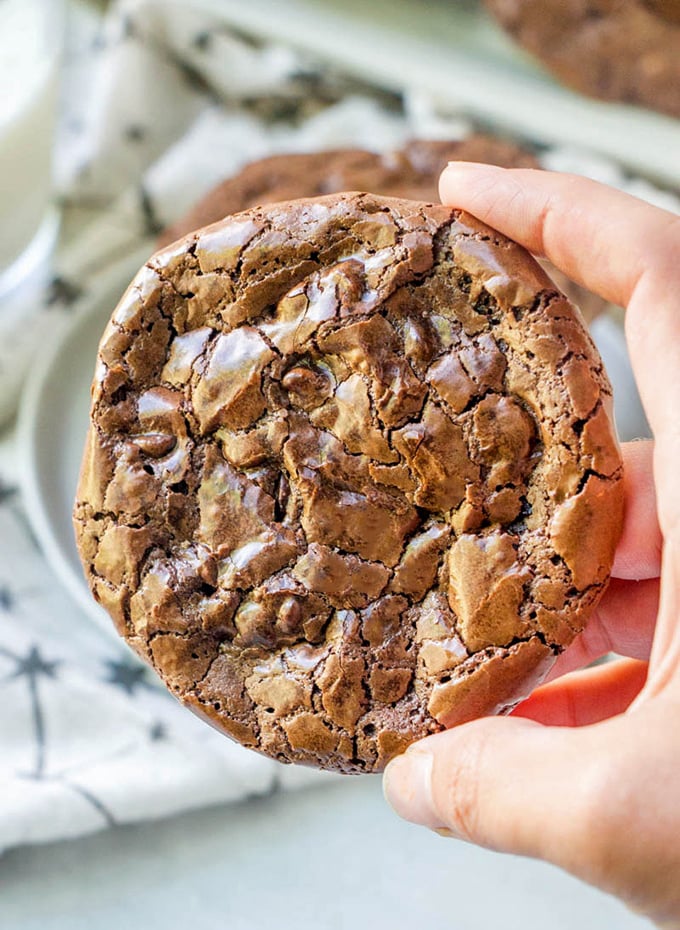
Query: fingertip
x,y
433,783
457,175
586,696
407,787
638,555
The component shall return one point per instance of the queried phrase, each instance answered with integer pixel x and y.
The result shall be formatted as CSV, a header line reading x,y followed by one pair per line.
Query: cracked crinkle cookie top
x,y
351,475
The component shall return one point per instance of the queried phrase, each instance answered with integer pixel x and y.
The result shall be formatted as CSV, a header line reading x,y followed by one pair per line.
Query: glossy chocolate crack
x,y
351,475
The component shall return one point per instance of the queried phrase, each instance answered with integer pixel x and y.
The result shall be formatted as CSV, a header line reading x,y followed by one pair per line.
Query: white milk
x,y
29,44
28,97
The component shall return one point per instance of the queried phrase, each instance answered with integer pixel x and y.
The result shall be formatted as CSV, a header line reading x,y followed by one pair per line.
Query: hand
x,y
586,773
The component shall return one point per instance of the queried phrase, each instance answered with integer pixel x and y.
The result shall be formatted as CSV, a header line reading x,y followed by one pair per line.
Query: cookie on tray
x,y
624,51
351,475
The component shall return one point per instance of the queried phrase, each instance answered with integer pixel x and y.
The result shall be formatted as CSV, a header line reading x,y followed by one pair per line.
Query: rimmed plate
x,y
53,420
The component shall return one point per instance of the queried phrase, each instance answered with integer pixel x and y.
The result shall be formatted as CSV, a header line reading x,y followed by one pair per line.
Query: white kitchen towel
x,y
160,103
87,736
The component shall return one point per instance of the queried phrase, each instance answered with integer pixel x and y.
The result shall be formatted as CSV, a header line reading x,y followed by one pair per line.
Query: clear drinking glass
x,y
30,45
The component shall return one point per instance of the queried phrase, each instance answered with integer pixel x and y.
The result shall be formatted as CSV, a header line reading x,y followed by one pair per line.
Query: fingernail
x,y
407,784
469,166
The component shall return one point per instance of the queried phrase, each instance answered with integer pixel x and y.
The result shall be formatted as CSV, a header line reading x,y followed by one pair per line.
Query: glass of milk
x,y
30,44
30,38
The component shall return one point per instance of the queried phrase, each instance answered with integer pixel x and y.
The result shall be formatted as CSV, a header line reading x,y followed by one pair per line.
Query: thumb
x,y
601,801
506,783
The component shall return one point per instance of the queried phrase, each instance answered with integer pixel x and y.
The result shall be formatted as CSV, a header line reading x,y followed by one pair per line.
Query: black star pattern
x,y
84,793
11,500
194,79
8,492
152,225
158,732
92,799
12,600
245,38
33,666
6,599
202,41
127,675
191,75
27,529
135,133
128,28
63,293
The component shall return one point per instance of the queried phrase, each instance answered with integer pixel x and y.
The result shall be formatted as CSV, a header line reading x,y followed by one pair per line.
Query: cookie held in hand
x,y
351,475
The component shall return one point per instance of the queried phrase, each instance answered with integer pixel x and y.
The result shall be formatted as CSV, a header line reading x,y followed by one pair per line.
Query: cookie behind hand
x,y
410,173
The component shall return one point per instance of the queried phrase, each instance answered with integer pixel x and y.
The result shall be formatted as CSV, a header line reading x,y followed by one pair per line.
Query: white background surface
x,y
322,859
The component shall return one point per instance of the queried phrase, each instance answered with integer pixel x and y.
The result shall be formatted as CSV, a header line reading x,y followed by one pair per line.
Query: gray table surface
x,y
332,857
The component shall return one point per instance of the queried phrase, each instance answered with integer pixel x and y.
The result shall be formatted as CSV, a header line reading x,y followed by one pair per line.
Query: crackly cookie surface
x,y
350,476
411,172
627,50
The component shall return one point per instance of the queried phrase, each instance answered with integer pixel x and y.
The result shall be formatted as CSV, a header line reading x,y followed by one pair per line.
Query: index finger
x,y
603,239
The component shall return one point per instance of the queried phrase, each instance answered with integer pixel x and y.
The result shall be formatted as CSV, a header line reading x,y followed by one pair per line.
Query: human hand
x,y
586,773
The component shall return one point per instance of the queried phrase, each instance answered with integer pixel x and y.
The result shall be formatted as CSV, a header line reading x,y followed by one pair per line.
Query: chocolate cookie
x,y
411,172
627,51
351,476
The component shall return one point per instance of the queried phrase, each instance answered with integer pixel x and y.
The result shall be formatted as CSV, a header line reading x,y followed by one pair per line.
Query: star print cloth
x,y
88,737
161,102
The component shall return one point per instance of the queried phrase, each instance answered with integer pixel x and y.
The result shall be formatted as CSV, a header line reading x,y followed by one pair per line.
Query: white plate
x,y
53,421
54,417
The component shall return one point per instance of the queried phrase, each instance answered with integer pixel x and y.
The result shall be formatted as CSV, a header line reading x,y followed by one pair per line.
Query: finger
x,y
577,797
600,237
587,696
493,782
638,554
626,251
665,654
623,622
